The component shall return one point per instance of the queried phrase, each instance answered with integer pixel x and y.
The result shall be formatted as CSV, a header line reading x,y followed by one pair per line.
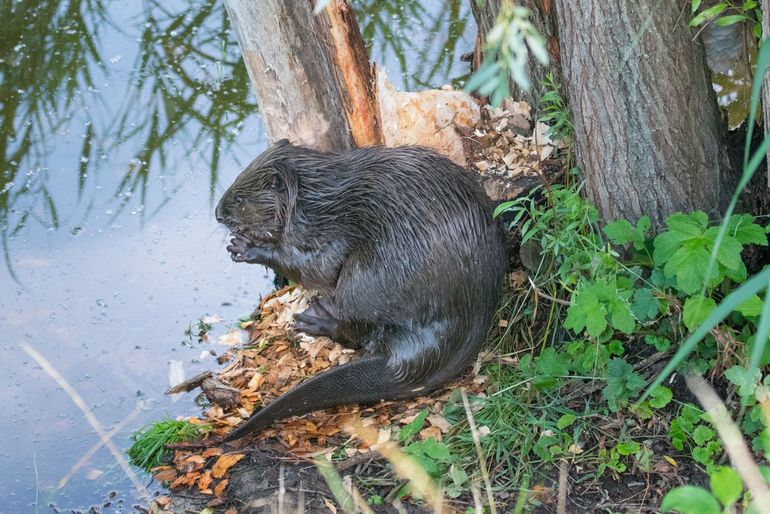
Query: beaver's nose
x,y
219,212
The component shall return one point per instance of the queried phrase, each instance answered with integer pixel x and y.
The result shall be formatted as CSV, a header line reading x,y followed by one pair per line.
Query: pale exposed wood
x,y
648,133
355,77
311,74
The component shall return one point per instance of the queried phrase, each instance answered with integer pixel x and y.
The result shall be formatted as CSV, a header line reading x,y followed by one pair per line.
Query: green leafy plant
x,y
727,13
554,110
149,448
506,52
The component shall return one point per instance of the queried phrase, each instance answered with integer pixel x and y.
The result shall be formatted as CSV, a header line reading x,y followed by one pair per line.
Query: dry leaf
x,y
205,480
224,463
212,452
220,488
167,475
329,505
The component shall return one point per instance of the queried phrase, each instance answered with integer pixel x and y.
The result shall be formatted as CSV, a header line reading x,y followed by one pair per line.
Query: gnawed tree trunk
x,y
310,73
648,133
544,19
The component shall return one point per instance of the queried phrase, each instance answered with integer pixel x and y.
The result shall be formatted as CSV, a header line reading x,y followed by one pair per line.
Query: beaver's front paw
x,y
239,248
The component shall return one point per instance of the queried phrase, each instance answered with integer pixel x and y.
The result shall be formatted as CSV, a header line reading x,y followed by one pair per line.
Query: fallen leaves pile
x,y
272,361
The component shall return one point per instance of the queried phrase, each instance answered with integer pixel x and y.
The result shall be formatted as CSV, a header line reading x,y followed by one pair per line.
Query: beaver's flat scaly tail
x,y
366,380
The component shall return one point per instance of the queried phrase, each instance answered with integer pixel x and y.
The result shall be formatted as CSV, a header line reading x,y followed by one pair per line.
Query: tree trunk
x,y
544,19
310,73
648,133
766,81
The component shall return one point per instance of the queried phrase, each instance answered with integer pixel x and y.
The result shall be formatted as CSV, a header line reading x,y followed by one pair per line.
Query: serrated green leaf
x,y
645,306
621,317
620,232
688,226
565,421
690,499
687,264
665,246
752,307
696,309
702,434
726,486
660,397
659,342
411,429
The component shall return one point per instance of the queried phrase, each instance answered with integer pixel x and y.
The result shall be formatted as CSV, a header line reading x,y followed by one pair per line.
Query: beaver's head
x,y
258,205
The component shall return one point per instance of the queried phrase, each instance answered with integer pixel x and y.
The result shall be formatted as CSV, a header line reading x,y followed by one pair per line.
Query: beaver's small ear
x,y
282,142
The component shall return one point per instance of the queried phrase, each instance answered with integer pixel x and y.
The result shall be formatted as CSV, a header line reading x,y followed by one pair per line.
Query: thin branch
x,y
735,445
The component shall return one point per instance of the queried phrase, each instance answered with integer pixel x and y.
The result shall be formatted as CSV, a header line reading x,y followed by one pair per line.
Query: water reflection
x,y
423,41
187,79
119,122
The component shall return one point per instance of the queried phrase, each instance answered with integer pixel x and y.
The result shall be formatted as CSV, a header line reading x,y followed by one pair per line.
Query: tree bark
x,y
310,73
544,19
648,133
766,81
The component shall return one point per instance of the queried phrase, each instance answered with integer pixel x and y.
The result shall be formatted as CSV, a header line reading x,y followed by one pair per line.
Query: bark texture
x,y
310,73
544,18
766,81
648,132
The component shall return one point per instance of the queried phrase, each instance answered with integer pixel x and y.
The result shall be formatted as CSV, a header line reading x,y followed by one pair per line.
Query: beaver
x,y
401,247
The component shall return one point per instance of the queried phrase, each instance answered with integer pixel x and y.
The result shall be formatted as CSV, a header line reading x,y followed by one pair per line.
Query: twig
x,y
97,445
539,292
81,404
190,383
561,506
479,453
735,445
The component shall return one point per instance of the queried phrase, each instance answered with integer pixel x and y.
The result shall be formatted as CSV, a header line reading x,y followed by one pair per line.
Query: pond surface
x,y
120,125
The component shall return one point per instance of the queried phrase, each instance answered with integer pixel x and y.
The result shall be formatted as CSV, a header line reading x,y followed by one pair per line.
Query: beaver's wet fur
x,y
401,246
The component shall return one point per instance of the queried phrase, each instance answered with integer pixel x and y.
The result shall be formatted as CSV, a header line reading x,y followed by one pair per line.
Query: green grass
x,y
149,448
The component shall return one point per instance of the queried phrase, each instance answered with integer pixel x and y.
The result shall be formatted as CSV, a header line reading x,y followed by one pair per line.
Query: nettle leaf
x,y
745,382
745,230
621,317
659,342
622,383
688,226
665,246
586,312
620,232
627,448
690,499
729,252
752,307
645,306
702,435
696,309
660,397
726,486
688,265
565,421
413,427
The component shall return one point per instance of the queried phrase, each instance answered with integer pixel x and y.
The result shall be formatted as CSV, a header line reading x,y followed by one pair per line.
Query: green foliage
x,y
149,448
506,52
555,111
728,12
434,456
726,490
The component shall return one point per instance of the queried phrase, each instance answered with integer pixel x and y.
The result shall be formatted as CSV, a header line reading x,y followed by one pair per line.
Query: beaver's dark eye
x,y
239,199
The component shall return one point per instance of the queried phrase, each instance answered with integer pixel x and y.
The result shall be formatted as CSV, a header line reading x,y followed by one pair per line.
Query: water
x,y
120,125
